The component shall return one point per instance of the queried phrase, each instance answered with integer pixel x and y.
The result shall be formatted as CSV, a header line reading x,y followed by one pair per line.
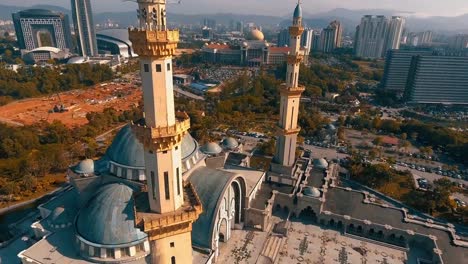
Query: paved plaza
x,y
308,244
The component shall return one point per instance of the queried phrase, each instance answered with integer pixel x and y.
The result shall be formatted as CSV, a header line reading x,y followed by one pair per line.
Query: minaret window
x,y
158,68
153,184
146,66
292,117
168,67
178,181
166,185
173,260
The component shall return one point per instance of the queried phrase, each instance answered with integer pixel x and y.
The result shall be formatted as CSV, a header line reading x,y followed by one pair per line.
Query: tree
x,y
378,141
404,136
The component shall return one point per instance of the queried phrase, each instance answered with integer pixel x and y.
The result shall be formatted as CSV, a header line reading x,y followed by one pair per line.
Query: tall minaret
x,y
168,220
290,96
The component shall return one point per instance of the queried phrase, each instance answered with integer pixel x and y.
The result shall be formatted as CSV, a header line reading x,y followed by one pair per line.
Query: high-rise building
x,y
331,36
317,41
84,27
397,66
288,129
436,79
37,28
161,133
306,38
395,30
240,26
459,42
210,23
376,35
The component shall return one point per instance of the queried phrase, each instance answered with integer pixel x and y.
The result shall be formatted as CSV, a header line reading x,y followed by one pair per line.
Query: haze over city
x,y
277,7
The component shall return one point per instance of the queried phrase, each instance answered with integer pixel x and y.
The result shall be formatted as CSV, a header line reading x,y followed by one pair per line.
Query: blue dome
x,y
108,218
320,164
230,143
311,191
128,151
211,148
85,167
298,11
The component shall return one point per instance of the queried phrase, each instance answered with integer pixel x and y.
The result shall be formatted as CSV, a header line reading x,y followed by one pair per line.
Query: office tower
x,y
316,40
397,66
210,23
240,26
438,80
376,35
306,38
425,38
459,42
207,33
283,38
331,36
42,28
290,97
84,27
161,134
395,29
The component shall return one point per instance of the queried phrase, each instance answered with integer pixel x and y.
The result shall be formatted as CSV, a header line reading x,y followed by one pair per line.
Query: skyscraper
x,y
331,36
376,35
84,27
459,42
291,91
42,28
168,221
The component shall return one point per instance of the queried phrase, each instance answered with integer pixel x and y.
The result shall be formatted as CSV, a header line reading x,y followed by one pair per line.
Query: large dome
x,y
320,164
108,218
256,34
230,143
128,151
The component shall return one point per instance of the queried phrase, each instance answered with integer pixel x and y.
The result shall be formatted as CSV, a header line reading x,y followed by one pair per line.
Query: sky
x,y
276,7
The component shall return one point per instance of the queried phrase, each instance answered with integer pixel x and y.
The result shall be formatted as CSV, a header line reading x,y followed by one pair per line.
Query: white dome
x,y
312,192
256,34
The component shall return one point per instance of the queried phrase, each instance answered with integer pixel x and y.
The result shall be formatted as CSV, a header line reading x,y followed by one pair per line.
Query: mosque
x,y
156,196
253,51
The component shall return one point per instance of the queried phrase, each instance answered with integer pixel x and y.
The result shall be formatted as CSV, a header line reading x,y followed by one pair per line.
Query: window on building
x,y
172,244
177,147
135,174
166,185
173,260
168,67
146,67
165,152
158,68
178,181
153,184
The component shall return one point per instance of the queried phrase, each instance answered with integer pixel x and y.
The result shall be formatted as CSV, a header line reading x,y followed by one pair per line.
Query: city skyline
x,y
415,7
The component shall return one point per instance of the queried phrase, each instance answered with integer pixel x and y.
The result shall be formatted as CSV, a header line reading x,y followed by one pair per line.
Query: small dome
x,y
60,218
230,143
320,164
312,192
211,148
298,11
108,218
85,167
244,44
256,34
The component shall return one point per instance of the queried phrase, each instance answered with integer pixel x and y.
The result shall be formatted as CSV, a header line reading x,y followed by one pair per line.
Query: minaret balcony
x,y
283,132
167,224
157,43
162,138
291,91
295,59
296,31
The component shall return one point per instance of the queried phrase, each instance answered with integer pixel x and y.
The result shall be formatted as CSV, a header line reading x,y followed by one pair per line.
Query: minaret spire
x,y
173,205
290,96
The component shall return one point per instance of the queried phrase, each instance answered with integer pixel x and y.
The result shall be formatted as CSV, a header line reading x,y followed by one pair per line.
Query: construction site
x,y
71,107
